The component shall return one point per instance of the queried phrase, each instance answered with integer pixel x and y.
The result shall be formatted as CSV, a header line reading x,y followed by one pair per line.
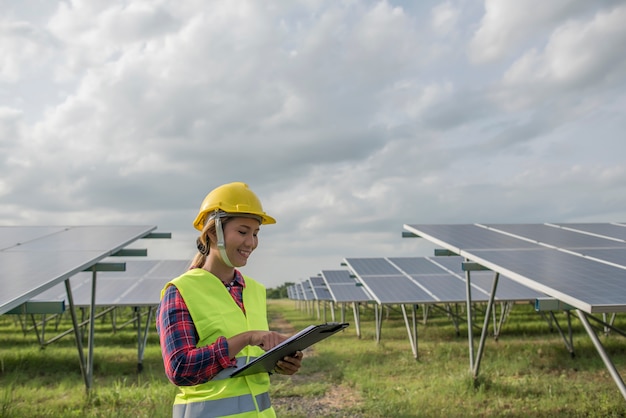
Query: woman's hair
x,y
204,244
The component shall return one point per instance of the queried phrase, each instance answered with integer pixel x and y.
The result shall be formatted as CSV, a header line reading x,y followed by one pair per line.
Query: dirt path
x,y
333,403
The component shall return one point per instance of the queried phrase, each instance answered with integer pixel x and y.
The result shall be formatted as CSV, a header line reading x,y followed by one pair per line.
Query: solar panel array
x,y
139,285
583,265
33,259
331,285
424,280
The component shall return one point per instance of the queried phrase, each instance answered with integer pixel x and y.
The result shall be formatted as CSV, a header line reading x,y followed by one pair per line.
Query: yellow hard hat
x,y
231,199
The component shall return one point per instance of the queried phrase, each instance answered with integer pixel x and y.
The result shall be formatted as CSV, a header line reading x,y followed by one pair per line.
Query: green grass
x,y
527,372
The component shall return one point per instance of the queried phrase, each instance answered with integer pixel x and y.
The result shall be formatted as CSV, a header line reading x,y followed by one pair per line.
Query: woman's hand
x,y
289,364
266,339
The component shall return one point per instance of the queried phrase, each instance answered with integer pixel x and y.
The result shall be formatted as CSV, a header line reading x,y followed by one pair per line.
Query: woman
x,y
213,318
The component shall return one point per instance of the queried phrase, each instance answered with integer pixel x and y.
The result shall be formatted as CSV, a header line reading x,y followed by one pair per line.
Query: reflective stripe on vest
x,y
221,407
225,373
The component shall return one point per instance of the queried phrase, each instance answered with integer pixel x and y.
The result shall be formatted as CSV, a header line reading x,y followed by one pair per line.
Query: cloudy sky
x,y
347,118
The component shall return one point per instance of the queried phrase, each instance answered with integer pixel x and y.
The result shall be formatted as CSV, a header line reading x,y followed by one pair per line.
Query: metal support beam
x,y
605,357
158,235
131,252
483,335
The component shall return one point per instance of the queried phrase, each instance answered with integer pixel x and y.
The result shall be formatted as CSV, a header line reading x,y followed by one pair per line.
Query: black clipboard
x,y
298,342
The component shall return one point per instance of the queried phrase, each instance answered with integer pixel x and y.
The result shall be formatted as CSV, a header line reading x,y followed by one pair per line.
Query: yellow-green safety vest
x,y
215,313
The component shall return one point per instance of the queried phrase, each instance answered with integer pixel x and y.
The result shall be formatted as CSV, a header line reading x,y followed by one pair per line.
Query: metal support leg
x,y
607,360
378,320
483,335
142,340
92,320
77,335
412,338
470,325
569,344
357,318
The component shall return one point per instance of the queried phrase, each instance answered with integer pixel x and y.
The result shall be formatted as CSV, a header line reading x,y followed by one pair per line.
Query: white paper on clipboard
x,y
298,342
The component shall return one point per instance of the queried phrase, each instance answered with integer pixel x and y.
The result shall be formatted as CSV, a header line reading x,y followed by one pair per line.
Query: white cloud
x,y
445,17
347,118
578,52
508,24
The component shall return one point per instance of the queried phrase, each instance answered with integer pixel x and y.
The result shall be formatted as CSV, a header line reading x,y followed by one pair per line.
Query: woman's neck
x,y
216,266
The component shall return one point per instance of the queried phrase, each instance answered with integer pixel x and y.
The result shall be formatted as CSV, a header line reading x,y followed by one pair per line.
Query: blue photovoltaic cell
x,y
508,290
446,288
587,283
396,289
63,251
438,280
319,288
308,292
343,287
372,266
608,230
468,237
337,276
558,237
580,282
386,283
139,285
615,256
416,265
11,236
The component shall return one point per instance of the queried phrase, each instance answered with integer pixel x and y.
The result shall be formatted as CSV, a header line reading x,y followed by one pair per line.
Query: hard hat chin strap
x,y
221,244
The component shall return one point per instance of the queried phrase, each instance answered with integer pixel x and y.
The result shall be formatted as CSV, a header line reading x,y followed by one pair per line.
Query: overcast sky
x,y
347,118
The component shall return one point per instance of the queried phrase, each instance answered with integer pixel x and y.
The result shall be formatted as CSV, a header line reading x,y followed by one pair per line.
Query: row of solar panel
x,y
399,280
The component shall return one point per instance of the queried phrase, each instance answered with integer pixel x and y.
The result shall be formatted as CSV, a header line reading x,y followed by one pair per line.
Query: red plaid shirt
x,y
185,364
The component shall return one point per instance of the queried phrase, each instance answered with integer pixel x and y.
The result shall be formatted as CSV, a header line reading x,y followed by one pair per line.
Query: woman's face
x,y
240,237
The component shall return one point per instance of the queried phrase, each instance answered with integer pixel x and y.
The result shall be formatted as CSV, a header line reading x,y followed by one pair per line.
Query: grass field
x,y
527,372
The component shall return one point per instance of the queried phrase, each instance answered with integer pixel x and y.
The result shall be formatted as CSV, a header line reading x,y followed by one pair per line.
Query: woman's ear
x,y
211,238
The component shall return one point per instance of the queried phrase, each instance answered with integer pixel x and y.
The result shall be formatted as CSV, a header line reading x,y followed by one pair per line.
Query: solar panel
x,y
386,283
307,290
416,265
563,273
616,231
508,290
16,235
319,288
139,285
343,287
578,264
372,267
557,237
423,280
467,237
32,261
